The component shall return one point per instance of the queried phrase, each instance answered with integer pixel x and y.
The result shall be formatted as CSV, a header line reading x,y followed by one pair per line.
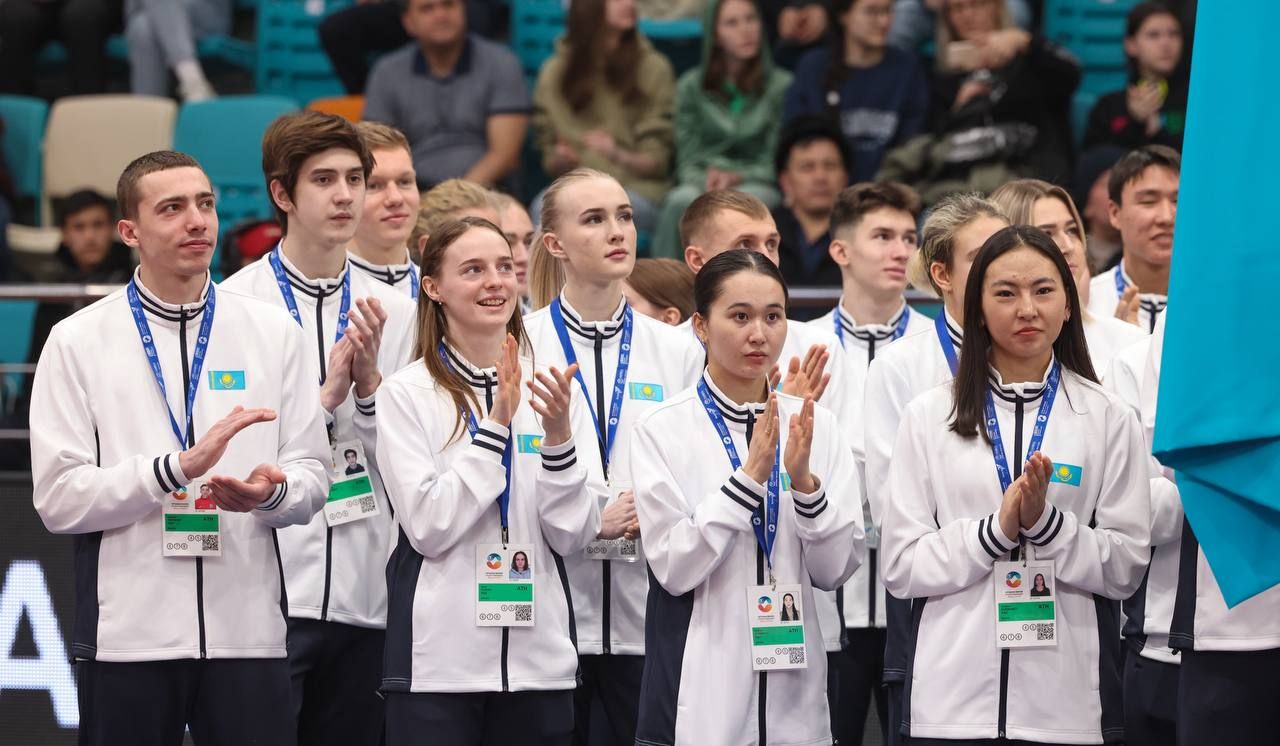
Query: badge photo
x,y
776,617
191,522
351,495
620,549
1026,608
504,585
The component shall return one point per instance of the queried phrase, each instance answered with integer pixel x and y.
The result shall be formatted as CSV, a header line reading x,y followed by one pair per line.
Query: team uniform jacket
x,y
663,362
104,456
335,574
1106,337
402,277
861,603
696,517
1104,297
941,536
445,486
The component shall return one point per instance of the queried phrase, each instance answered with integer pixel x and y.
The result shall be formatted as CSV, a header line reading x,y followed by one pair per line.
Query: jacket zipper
x,y
191,441
606,575
506,631
328,531
763,677
1004,654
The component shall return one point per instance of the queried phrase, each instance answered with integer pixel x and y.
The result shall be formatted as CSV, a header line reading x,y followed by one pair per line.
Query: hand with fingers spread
x,y
1011,509
551,394
1035,475
337,381
762,450
807,379
618,520
241,496
197,460
364,326
799,446
1130,302
507,398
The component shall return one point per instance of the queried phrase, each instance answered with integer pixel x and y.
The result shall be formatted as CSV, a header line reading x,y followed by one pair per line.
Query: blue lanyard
x,y
504,499
1037,433
619,378
290,303
416,286
764,537
944,337
898,331
1121,285
153,357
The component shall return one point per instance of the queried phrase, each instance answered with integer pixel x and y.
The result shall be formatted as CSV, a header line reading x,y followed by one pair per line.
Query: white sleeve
x,y
73,494
303,451
436,507
568,493
1166,511
829,522
1108,556
882,407
920,557
684,546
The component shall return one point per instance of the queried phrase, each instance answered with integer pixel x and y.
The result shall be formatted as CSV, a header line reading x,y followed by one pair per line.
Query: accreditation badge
x,y
1026,608
504,585
620,549
351,495
776,618
191,523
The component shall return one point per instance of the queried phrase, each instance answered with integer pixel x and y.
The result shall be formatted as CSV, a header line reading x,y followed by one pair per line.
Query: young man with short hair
x,y
873,229
380,248
452,200
1143,188
316,166
459,97
142,401
813,163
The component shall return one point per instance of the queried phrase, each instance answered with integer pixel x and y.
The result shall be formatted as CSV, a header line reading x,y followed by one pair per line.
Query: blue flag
x,y
1219,415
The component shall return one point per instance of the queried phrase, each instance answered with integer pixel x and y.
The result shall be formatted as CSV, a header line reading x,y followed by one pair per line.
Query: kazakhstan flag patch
x,y
1067,474
226,380
529,443
646,391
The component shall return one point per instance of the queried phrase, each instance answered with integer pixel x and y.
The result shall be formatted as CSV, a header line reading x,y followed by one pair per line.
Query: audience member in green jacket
x,y
603,101
728,113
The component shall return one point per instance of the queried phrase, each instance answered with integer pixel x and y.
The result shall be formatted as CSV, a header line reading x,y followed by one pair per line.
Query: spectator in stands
x,y
604,101
989,72
661,289
1093,173
878,94
794,27
913,21
813,163
728,113
162,36
1152,109
461,99
81,25
352,35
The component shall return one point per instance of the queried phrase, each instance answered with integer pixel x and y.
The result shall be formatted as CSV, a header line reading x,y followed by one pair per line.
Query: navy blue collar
x,y
463,67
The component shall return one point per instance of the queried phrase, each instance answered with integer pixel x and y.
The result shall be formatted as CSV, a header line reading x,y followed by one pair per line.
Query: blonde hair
x,y
443,201
705,208
546,274
939,233
1018,199
944,35
379,136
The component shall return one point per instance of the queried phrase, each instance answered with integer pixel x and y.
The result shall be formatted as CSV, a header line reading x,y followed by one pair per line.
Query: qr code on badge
x,y
524,613
367,505
1044,631
209,542
627,549
797,656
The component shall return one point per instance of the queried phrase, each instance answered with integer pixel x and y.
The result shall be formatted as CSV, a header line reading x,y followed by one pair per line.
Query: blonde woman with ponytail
x,y
952,234
626,365
478,474
1050,208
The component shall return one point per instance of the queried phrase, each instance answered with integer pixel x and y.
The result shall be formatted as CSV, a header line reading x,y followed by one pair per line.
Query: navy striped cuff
x,y
1047,528
558,457
744,491
276,498
168,473
993,540
491,439
811,509
367,407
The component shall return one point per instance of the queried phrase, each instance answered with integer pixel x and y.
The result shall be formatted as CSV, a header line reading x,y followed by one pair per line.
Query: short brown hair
x,y
379,136
1136,162
293,138
853,203
127,193
441,203
704,209
666,283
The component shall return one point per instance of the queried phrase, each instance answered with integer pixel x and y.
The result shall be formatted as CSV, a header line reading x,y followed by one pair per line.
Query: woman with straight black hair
x,y
976,508
745,496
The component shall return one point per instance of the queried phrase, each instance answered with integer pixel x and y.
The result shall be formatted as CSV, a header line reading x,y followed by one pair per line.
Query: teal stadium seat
x,y
236,52
1093,30
225,135
535,27
24,120
290,60
17,317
